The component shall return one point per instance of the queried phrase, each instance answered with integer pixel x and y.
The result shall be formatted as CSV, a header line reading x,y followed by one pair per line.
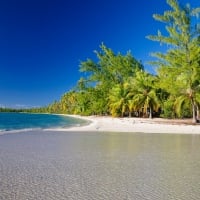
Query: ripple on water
x,y
99,166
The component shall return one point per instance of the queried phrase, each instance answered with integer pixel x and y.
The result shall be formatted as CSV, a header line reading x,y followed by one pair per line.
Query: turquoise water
x,y
17,121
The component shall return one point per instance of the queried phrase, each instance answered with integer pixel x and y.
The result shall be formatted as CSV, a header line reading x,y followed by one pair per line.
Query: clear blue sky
x,y
43,41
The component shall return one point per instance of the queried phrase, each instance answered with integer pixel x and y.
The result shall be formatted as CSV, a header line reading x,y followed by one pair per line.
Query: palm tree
x,y
192,97
145,94
119,99
179,66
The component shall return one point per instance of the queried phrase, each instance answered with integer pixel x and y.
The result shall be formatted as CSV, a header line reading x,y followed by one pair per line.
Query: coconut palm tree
x,y
119,100
145,94
190,96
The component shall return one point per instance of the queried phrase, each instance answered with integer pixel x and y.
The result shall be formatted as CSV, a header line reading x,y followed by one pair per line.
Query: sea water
x,y
16,121
44,165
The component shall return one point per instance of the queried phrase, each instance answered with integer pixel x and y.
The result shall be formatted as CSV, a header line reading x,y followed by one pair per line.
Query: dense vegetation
x,y
117,84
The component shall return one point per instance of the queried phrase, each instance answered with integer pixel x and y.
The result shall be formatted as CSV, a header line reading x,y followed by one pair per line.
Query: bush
x,y
168,109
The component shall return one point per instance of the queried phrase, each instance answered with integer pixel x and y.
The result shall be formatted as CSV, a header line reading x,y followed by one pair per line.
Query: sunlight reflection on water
x,y
51,165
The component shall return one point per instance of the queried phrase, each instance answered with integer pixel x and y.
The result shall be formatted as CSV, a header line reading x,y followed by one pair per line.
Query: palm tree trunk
x,y
194,119
150,113
198,112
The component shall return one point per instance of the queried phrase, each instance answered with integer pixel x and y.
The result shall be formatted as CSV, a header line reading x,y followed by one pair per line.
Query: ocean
x,y
43,164
18,121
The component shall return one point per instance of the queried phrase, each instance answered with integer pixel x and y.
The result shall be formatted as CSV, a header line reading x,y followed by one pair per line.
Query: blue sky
x,y
43,41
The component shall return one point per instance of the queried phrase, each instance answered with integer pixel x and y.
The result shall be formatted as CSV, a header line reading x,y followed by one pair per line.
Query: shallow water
x,y
18,121
99,166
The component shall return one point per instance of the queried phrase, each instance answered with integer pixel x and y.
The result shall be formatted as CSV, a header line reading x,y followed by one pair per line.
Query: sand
x,y
136,125
130,125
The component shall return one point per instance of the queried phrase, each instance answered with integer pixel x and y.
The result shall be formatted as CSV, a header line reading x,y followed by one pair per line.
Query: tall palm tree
x,y
145,94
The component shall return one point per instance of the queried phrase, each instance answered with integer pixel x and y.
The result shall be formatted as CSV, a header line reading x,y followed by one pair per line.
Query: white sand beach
x,y
136,125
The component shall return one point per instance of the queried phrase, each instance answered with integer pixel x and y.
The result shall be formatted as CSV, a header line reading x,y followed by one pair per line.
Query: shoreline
x,y
122,125
133,125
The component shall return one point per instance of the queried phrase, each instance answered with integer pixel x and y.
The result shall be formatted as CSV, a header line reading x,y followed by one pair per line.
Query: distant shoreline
x,y
135,125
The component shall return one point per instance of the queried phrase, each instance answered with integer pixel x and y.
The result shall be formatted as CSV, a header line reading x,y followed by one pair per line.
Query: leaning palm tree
x,y
190,96
145,94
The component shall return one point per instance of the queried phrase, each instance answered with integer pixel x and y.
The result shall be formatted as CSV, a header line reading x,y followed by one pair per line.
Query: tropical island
x,y
118,85
121,153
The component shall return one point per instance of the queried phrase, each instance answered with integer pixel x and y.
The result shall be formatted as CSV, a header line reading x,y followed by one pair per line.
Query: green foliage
x,y
145,93
55,107
183,106
117,84
179,67
110,70
119,100
168,110
10,110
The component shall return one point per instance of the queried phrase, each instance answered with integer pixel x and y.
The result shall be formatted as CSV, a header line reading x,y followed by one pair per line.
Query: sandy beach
x,y
136,125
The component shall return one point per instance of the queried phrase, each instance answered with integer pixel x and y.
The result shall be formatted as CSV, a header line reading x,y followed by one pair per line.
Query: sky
x,y
42,42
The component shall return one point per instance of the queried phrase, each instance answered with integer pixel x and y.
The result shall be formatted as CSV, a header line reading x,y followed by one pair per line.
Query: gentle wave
x,y
2,132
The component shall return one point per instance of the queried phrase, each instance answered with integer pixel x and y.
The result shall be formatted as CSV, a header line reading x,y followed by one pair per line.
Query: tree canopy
x,y
178,68
119,85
